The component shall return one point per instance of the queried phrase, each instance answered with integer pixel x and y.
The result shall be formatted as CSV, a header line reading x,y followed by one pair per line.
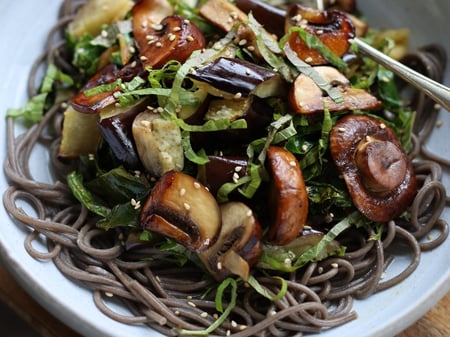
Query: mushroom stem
x,y
381,163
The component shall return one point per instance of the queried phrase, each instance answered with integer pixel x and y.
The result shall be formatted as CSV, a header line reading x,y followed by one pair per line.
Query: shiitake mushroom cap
x,y
347,137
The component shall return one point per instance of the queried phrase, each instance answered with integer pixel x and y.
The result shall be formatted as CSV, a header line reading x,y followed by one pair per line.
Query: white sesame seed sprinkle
x,y
192,304
190,38
204,314
238,169
108,294
238,95
197,185
292,163
186,206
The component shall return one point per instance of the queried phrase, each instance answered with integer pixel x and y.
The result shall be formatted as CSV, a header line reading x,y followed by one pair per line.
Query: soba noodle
x,y
319,295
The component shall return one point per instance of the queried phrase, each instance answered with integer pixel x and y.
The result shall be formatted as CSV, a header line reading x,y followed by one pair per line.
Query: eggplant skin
x,y
238,77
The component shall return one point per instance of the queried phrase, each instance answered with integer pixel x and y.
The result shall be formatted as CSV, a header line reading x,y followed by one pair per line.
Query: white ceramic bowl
x,y
24,26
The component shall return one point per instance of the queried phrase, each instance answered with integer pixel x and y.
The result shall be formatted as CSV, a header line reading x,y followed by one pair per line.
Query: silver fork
x,y
437,91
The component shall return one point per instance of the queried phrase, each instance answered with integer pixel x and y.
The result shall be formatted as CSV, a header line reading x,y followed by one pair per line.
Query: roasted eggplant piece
x,y
378,173
75,124
158,143
235,78
115,125
222,169
270,17
181,208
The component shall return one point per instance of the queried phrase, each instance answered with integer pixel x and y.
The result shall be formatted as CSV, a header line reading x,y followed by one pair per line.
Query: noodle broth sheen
x,y
72,302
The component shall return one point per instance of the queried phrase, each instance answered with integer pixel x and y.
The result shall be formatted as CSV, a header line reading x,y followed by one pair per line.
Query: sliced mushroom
x,y
225,15
231,78
158,143
306,97
288,196
238,246
181,208
332,27
174,38
378,174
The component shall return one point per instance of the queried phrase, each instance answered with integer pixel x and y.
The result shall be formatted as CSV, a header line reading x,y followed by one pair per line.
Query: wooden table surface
x,y
436,323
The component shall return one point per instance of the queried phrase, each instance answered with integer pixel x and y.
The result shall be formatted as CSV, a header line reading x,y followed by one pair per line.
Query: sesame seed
x,y
235,177
204,314
186,21
308,59
216,316
64,105
382,126
341,129
192,304
190,38
158,279
186,206
320,31
145,124
320,270
273,313
251,48
108,294
219,265
243,327
177,313
172,36
437,106
104,33
297,18
228,333
157,26
292,163
238,95
249,212
234,15
334,265
177,29
158,44
197,185
143,58
133,64
234,324
247,71
304,147
116,94
242,42
439,123
238,169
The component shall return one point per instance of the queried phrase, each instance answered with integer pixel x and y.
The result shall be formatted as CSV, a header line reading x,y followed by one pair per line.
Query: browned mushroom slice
x,y
239,244
107,75
181,208
378,174
289,198
174,38
332,27
306,97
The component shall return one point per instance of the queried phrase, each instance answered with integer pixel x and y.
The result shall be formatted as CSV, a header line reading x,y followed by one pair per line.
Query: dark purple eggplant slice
x,y
236,78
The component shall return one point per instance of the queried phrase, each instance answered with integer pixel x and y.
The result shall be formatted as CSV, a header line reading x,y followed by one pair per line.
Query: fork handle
x,y
437,91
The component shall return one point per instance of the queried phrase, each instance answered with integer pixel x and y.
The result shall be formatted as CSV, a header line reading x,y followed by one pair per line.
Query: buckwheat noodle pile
x,y
319,295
